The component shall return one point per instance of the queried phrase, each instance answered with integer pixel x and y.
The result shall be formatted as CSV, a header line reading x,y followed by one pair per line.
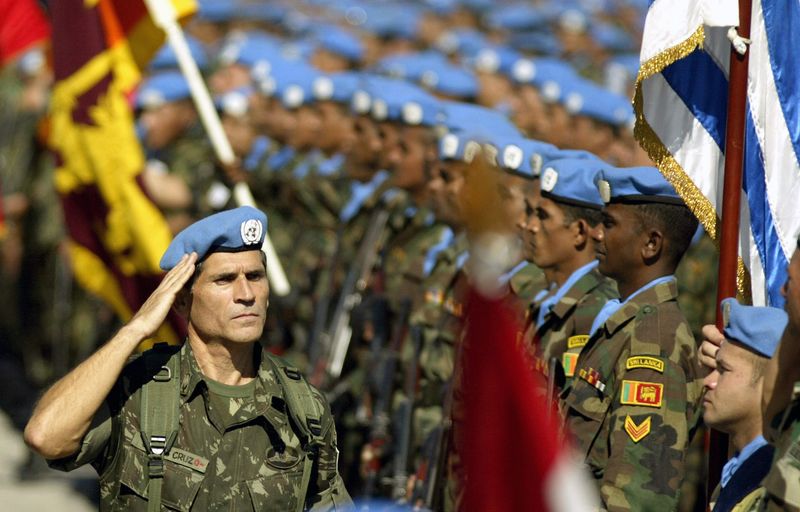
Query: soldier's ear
x,y
582,233
183,301
654,244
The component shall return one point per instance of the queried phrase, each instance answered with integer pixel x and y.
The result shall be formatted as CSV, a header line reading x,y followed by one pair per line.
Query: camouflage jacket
x,y
632,405
254,464
566,327
527,282
782,482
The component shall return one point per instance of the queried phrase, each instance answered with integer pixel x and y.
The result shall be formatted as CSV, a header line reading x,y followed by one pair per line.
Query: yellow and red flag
x,y
117,235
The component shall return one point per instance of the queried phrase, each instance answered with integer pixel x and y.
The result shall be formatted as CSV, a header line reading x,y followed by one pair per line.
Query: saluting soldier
x,y
632,405
218,423
732,403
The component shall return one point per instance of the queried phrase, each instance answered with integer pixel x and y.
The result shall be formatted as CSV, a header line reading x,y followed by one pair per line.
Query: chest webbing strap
x,y
160,411
306,412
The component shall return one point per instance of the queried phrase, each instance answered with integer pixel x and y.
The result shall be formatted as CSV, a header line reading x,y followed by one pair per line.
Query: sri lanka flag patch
x,y
635,392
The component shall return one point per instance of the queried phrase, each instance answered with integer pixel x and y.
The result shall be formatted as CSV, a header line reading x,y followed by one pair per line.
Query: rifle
x,y
552,367
404,425
385,364
324,302
337,338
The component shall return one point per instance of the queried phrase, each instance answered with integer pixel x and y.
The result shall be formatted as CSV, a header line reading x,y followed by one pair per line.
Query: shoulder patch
x,y
637,432
635,392
650,363
569,361
577,341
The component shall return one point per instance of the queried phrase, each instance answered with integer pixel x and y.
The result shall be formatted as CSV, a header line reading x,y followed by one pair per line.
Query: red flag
x,y
22,25
117,234
514,457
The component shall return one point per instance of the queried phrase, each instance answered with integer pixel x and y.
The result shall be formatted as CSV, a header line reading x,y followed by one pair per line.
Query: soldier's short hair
x,y
676,223
572,213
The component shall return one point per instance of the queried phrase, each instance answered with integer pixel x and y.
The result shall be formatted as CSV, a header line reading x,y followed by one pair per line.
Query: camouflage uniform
x,y
633,404
248,456
527,282
567,326
782,491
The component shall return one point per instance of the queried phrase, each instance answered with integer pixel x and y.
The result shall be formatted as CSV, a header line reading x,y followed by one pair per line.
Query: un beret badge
x,y
251,231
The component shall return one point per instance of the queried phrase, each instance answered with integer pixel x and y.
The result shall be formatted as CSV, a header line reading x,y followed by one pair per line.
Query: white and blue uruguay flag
x,y
681,101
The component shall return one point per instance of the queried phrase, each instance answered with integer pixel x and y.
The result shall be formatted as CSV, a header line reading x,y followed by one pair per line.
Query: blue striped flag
x,y
681,109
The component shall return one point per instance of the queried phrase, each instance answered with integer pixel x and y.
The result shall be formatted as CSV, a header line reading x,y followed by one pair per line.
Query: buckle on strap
x,y
314,425
163,375
155,466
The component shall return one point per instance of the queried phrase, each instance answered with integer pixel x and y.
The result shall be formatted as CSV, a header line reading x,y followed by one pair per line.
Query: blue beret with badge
x,y
237,230
460,146
450,80
525,157
294,85
410,66
461,41
248,49
337,87
589,99
235,103
759,328
574,182
538,71
406,103
636,185
162,88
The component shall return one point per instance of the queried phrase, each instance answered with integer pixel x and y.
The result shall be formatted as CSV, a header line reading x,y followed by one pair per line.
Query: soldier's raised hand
x,y
712,340
151,315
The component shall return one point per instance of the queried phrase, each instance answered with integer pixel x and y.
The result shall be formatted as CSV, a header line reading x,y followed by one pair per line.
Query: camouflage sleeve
x,y
782,491
648,436
94,448
328,488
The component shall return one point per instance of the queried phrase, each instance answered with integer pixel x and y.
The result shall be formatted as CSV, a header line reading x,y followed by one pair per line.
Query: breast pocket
x,y
586,411
178,490
281,491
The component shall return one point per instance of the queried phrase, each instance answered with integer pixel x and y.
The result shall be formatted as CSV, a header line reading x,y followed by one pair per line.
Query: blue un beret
x,y
337,87
574,182
757,328
340,42
162,88
167,59
636,185
237,230
525,157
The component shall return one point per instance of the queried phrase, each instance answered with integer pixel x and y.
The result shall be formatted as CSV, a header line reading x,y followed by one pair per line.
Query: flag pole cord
x,y
731,208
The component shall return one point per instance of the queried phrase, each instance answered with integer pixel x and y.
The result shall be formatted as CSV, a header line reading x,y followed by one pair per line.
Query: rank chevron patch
x,y
637,432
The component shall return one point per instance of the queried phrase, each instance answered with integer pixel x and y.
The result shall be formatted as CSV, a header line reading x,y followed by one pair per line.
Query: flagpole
x,y
163,14
731,210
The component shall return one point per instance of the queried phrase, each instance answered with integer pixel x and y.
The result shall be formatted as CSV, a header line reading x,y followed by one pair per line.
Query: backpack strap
x,y
159,415
306,411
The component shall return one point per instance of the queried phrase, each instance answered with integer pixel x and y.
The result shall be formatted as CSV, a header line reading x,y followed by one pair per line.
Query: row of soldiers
x,y
359,143
363,175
